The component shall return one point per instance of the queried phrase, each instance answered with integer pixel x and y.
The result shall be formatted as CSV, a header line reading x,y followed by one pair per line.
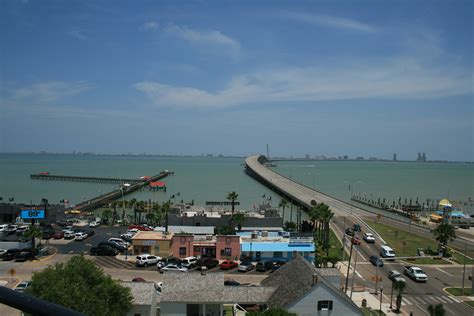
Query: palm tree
x,y
315,215
165,208
399,286
283,204
232,197
436,310
443,233
239,218
326,216
106,214
33,233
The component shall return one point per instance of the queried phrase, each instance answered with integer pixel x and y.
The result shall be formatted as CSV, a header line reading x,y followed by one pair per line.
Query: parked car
x,y
47,233
369,238
395,276
207,262
127,237
245,267
165,261
80,236
10,254
119,241
139,227
22,256
189,262
355,240
93,224
2,251
69,234
263,266
103,250
22,229
228,264
376,261
58,235
277,265
174,267
114,245
349,231
22,286
356,228
89,232
146,260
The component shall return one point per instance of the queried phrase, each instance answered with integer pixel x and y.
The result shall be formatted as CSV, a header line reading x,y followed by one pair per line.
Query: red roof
x,y
157,184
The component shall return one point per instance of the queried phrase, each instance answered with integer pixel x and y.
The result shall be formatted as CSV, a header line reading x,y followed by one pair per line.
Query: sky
x,y
357,78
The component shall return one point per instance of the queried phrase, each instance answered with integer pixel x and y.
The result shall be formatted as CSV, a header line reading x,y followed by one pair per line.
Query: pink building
x,y
219,247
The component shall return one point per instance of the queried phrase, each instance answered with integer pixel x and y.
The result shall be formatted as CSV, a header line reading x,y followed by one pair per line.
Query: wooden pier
x,y
82,179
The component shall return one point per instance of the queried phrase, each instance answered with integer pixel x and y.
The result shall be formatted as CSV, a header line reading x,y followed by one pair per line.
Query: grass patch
x,y
367,311
428,261
459,258
404,244
335,246
457,291
470,303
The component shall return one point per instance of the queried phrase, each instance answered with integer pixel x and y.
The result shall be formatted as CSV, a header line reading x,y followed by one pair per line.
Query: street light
x,y
381,290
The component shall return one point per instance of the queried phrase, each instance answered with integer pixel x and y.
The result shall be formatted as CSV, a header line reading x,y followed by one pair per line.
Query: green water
x,y
210,179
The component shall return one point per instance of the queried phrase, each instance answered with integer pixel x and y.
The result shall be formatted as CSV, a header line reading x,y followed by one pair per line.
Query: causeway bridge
x,y
306,197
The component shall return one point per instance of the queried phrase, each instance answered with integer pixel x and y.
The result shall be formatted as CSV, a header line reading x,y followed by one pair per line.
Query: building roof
x,y
276,246
202,230
194,287
151,235
295,279
142,292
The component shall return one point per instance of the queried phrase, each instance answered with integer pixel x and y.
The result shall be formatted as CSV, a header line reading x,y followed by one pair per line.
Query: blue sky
x,y
362,78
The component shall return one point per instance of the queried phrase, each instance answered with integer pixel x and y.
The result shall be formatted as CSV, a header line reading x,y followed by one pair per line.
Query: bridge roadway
x,y
54,177
303,195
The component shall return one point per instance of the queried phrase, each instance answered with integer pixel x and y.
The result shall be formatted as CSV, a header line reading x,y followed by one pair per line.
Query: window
x,y
324,305
228,251
182,251
197,249
278,254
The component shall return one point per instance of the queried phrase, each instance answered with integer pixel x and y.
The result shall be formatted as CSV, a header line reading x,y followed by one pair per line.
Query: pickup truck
x,y
415,273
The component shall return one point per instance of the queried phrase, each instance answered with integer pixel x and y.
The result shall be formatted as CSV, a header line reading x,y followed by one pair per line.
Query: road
x,y
417,296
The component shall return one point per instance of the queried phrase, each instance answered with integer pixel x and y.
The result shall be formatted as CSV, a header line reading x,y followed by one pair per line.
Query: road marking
x,y
454,299
405,301
419,299
444,272
443,299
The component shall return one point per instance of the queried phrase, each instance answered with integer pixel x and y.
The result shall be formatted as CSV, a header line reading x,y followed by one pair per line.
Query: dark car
x,y
350,231
89,232
264,266
47,234
103,250
356,227
119,248
206,262
376,261
22,256
58,235
10,254
277,265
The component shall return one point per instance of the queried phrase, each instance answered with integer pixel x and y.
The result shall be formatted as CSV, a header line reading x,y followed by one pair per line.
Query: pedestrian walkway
x,y
429,300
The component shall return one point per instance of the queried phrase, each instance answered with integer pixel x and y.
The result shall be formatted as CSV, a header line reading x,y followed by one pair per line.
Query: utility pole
x,y
464,268
353,272
348,268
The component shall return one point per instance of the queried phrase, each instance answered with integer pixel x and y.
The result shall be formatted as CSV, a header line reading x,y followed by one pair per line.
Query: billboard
x,y
32,214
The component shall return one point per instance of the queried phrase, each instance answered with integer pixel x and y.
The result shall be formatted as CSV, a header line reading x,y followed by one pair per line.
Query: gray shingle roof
x,y
295,279
194,288
142,292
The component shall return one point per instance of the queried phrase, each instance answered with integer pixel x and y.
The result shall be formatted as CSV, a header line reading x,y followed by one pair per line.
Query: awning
x,y
444,203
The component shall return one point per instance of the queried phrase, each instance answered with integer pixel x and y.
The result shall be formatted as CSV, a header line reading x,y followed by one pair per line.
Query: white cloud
x,y
150,26
386,80
210,37
49,91
331,21
78,35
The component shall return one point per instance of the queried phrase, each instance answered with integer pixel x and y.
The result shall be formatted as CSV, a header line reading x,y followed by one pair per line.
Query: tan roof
x,y
150,235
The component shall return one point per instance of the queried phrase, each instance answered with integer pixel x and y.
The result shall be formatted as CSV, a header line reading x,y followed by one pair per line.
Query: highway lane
x,y
417,296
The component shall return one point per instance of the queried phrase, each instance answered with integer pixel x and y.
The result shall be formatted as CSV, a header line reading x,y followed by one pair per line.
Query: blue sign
x,y
25,214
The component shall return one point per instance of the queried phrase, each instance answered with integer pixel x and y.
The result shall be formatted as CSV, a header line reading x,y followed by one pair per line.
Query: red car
x,y
227,264
139,227
355,240
58,235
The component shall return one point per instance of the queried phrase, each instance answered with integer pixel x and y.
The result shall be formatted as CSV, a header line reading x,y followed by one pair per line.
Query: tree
x,y
239,219
106,215
443,233
436,310
232,197
82,286
271,312
399,286
33,233
283,204
289,226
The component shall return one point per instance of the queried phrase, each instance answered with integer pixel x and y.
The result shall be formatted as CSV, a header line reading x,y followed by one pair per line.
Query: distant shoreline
x,y
210,156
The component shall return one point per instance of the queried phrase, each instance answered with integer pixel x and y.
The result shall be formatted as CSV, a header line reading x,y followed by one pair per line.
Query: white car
x,y
69,234
369,238
146,260
119,242
80,236
93,224
174,267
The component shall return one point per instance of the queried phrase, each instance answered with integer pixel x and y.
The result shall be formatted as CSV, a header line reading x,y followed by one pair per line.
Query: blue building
x,y
273,247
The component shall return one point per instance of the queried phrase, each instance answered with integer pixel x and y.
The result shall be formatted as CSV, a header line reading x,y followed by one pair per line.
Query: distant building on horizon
x,y
394,157
421,157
